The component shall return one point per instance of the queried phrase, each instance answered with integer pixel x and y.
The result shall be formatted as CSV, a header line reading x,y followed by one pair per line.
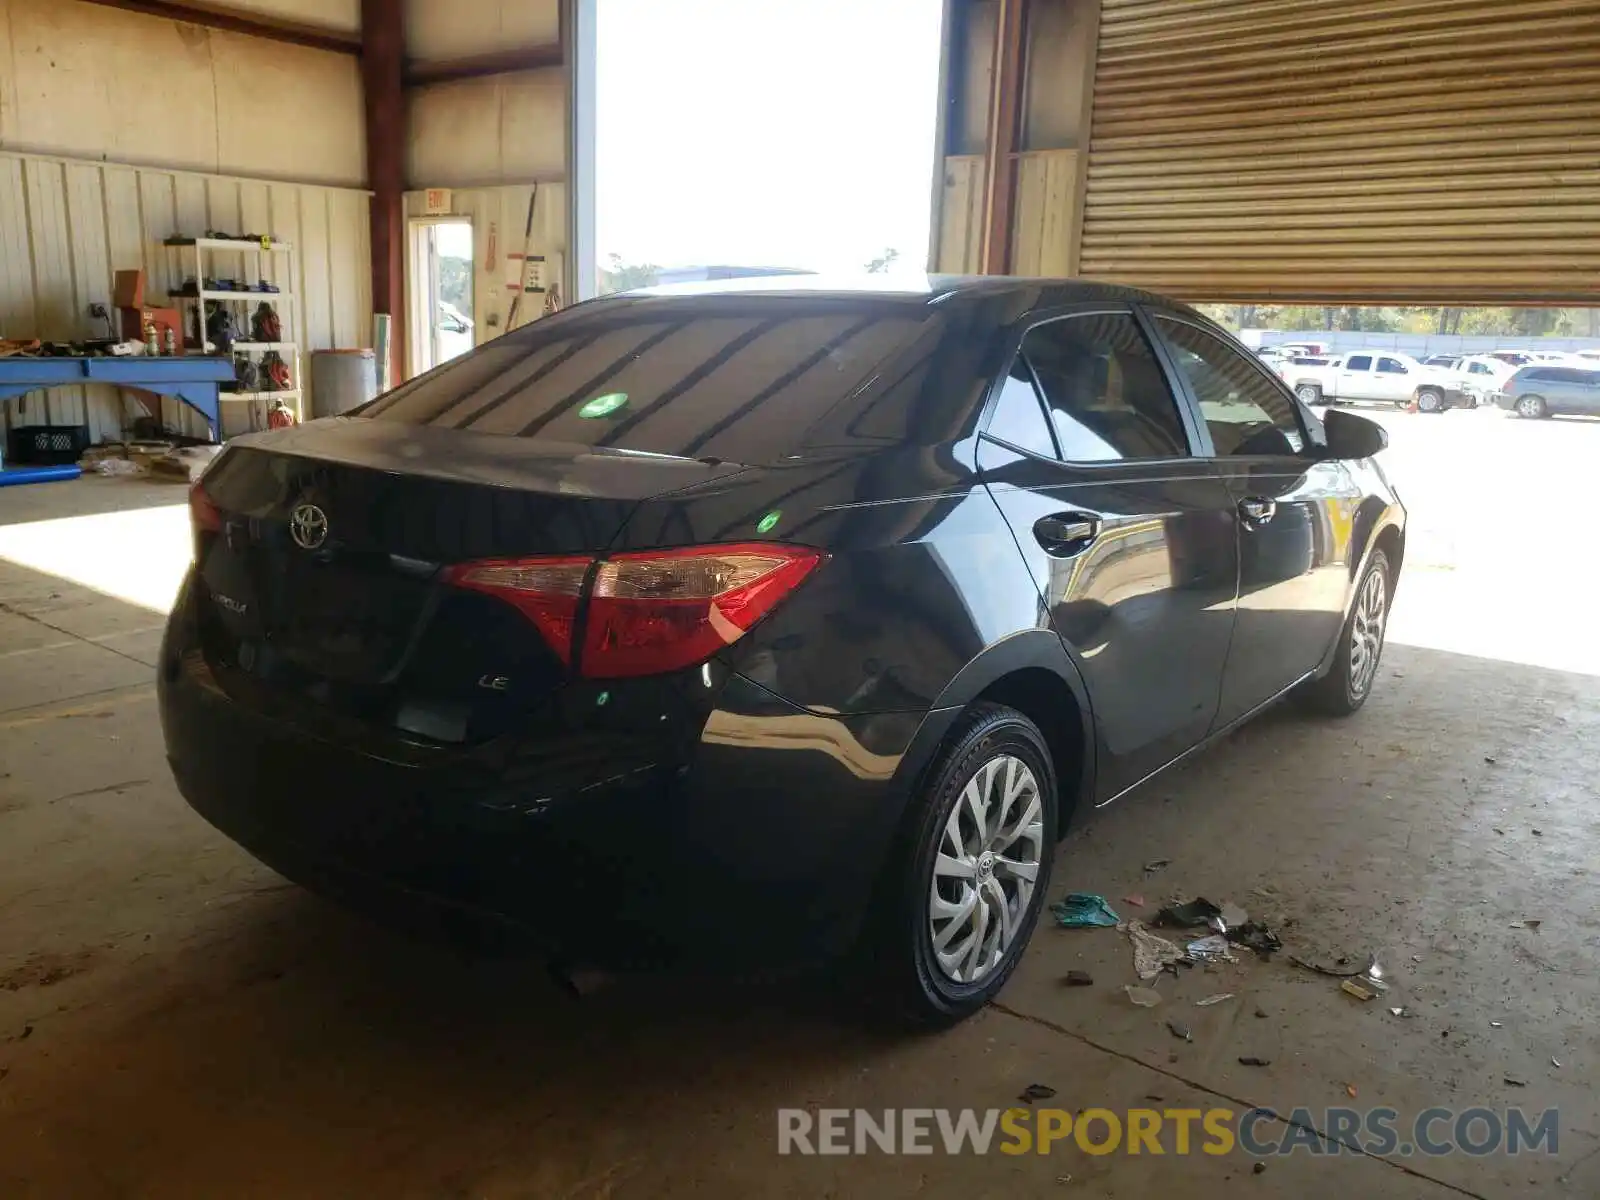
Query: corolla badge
x,y
308,526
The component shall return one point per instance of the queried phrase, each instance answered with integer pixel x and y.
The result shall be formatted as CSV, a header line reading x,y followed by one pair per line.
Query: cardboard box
x,y
133,321
128,290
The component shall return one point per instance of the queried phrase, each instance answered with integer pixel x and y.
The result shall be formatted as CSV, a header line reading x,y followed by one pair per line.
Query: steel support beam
x,y
250,25
1000,162
479,66
383,55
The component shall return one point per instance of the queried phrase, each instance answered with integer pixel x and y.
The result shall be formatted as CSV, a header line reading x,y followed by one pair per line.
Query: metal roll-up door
x,y
1347,151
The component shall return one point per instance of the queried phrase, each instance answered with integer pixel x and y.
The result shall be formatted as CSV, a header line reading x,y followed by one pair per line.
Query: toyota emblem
x,y
308,526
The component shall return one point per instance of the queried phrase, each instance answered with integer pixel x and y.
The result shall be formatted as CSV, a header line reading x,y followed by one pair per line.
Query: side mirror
x,y
1350,436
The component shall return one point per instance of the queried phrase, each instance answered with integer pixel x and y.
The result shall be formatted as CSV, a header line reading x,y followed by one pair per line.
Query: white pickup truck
x,y
1378,377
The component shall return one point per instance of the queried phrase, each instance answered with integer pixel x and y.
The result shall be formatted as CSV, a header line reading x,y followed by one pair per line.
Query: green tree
x,y
622,277
883,262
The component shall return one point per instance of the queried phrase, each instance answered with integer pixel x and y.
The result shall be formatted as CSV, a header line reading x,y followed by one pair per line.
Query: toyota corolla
x,y
784,619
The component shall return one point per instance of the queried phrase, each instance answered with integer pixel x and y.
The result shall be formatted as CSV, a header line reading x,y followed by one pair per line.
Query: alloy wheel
x,y
988,863
1529,406
1366,637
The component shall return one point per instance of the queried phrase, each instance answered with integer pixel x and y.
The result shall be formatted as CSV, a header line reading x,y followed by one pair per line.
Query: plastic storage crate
x,y
47,445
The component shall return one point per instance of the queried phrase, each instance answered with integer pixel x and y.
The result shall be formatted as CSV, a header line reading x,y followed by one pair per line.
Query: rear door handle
x,y
1066,534
1257,511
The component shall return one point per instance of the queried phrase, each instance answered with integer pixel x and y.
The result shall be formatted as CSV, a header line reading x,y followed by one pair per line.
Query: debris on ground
x,y
1233,915
1136,900
1258,1168
1538,833
1151,954
1338,972
1210,1000
1555,1062
1489,758
1350,1090
1180,1030
1253,935
1355,989
1250,1060
1262,1013
1497,1024
1402,1011
1527,924
1142,996
1079,979
1084,910
1156,864
1516,1082
1191,914
1036,1091
1211,949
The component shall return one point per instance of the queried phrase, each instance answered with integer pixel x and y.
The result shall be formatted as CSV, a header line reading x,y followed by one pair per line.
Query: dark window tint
x,y
1107,396
1392,366
736,381
1018,417
1541,375
1246,412
1358,362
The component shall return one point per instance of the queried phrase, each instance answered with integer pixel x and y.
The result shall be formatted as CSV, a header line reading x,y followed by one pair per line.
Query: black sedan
x,y
780,619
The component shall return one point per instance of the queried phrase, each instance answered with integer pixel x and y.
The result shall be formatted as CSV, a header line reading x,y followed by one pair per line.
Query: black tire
x,y
1532,406
1310,394
899,948
1337,693
1430,400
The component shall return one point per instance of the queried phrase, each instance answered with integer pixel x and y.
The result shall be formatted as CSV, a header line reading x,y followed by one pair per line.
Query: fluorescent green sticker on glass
x,y
603,406
769,522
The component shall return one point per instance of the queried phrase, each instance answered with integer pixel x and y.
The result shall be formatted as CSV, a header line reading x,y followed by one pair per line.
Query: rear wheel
x,y
972,872
1346,687
1532,406
1309,393
1430,400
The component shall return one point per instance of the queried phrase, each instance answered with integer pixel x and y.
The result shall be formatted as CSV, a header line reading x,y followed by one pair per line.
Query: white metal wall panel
x,y
1384,151
506,210
66,227
961,216
1041,242
89,81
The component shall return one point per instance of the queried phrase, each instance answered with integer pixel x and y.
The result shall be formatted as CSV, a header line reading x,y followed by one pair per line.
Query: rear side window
x,y
741,381
1107,395
1358,362
1018,417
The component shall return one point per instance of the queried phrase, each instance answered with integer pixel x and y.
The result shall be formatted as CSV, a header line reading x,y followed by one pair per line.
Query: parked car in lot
x,y
767,618
1540,391
1371,377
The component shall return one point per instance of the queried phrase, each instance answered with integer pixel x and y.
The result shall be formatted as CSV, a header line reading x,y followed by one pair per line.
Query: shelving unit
x,y
193,258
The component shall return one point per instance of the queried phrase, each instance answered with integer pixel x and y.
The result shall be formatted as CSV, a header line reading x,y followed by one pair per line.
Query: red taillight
x,y
545,590
204,515
650,612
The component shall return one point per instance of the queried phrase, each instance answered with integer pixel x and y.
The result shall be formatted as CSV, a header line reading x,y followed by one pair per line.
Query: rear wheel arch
x,y
1031,672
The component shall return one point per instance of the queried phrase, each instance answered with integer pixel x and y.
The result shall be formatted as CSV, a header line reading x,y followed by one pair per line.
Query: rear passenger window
x,y
1107,395
1246,412
1018,417
1358,362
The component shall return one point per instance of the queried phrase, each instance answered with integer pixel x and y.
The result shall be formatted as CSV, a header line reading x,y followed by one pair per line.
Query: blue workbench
x,y
192,379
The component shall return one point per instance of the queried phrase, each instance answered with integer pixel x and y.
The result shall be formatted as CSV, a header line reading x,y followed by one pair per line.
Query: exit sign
x,y
436,202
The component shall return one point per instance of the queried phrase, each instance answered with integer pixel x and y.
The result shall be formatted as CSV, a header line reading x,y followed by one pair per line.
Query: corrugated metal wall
x,y
67,226
500,214
1347,150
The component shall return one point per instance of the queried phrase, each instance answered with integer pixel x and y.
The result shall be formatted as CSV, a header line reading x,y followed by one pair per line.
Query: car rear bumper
x,y
762,840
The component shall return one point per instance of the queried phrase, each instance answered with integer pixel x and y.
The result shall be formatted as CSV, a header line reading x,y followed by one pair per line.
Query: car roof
x,y
916,289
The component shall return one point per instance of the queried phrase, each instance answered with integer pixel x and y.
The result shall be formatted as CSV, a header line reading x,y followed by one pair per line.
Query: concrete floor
x,y
175,1020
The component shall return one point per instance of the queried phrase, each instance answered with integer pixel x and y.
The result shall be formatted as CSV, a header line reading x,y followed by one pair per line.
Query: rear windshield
x,y
740,382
